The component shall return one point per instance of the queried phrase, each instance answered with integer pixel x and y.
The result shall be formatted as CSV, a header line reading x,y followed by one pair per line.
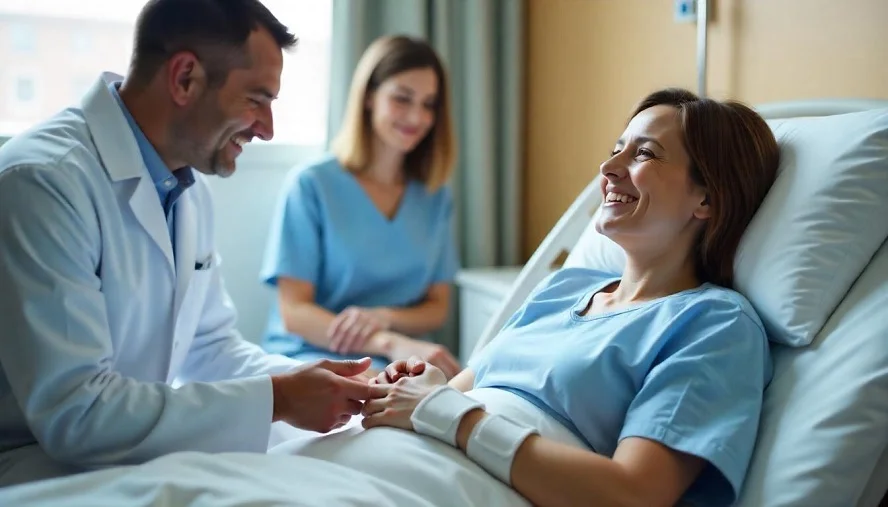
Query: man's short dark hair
x,y
215,30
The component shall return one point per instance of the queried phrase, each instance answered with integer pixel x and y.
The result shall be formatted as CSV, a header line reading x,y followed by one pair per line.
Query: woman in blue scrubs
x,y
361,250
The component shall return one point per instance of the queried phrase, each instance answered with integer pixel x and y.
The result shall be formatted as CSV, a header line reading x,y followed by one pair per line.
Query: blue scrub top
x,y
328,232
687,370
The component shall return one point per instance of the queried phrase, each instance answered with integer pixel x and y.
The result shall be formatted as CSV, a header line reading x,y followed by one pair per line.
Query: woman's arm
x,y
463,381
425,317
302,316
642,472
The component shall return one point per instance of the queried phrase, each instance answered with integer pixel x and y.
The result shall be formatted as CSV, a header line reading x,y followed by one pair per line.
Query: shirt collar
x,y
164,179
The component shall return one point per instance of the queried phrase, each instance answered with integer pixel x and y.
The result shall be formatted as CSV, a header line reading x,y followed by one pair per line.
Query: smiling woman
x,y
361,253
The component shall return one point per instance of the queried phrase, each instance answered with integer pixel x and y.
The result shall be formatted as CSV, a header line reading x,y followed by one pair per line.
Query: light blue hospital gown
x,y
328,232
688,371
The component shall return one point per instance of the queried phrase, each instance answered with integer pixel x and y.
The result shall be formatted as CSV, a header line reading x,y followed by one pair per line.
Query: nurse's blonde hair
x,y
432,161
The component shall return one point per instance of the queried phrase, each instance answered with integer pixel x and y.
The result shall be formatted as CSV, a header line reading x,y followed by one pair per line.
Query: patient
x,y
657,375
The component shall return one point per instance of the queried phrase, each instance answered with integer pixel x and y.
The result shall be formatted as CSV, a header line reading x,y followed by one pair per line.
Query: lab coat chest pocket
x,y
188,318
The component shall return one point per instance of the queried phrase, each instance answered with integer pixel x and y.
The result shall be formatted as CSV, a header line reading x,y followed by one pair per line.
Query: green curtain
x,y
482,43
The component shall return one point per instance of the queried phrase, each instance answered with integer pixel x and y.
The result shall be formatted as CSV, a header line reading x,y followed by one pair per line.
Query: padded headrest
x,y
818,228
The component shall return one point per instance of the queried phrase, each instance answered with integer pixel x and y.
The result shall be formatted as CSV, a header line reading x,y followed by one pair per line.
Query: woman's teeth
x,y
615,197
239,140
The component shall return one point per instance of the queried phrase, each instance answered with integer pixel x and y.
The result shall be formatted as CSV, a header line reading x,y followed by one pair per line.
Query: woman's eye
x,y
644,152
614,152
402,100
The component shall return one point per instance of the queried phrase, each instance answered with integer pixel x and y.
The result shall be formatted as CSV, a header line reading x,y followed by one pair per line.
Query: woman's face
x,y
649,196
403,108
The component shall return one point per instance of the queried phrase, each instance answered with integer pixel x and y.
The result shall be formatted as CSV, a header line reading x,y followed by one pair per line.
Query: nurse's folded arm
x,y
302,316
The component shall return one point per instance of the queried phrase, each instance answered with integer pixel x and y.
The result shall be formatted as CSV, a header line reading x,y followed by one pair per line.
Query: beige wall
x,y
590,60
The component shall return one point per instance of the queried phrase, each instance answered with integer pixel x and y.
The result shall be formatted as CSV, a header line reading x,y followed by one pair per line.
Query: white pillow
x,y
817,229
825,414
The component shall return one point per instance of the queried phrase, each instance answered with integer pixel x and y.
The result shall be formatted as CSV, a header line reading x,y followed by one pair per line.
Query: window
x,y
24,90
81,43
22,36
99,36
79,87
22,95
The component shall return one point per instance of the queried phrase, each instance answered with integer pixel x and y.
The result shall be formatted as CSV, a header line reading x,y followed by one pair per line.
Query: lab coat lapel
x,y
186,242
122,160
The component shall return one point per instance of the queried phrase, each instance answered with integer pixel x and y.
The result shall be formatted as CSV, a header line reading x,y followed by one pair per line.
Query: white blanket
x,y
353,467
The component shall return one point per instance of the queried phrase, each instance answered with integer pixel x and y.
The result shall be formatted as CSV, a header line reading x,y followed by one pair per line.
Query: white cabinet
x,y
481,291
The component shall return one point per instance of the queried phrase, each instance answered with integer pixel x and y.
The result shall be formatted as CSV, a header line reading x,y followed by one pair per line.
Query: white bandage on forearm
x,y
494,442
439,414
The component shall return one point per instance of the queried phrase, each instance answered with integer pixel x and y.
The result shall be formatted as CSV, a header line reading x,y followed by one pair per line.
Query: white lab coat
x,y
98,319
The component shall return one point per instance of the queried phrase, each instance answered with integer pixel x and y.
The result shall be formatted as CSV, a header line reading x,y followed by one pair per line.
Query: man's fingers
x,y
348,367
353,407
341,422
365,377
379,391
363,391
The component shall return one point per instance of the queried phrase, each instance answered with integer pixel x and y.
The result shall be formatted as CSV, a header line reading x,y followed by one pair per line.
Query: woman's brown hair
x,y
734,156
431,162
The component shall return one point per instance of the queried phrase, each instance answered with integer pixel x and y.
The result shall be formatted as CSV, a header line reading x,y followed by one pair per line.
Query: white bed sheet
x,y
352,467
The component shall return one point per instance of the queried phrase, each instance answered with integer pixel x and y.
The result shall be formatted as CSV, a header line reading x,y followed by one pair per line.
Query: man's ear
x,y
186,77
704,210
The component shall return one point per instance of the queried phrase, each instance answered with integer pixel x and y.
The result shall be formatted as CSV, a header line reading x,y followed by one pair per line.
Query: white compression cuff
x,y
494,442
439,414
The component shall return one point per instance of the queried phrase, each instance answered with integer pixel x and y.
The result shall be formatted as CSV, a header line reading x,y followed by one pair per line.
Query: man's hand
x,y
401,397
321,396
352,327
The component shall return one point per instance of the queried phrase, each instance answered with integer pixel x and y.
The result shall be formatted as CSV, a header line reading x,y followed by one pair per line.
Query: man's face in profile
x,y
224,119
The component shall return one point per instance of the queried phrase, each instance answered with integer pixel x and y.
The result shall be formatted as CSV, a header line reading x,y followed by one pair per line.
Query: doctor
x,y
109,281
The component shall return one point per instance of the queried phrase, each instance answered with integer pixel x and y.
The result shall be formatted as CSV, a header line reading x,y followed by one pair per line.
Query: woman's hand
x,y
396,408
400,368
432,353
350,330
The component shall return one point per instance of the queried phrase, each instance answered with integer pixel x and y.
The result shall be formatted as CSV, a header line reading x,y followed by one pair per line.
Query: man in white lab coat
x,y
109,281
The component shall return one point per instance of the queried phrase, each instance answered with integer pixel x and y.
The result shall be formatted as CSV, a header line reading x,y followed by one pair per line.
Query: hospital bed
x,y
814,263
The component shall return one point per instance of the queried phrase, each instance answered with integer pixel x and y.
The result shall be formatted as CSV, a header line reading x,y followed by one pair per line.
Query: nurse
x,y
361,251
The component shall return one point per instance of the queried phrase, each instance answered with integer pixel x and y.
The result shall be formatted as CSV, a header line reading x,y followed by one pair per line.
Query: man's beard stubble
x,y
190,141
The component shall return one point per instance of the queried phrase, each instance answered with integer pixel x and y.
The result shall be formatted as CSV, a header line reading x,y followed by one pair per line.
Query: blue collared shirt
x,y
169,184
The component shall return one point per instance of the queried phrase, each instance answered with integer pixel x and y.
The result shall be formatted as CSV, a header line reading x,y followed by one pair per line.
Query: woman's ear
x,y
704,210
